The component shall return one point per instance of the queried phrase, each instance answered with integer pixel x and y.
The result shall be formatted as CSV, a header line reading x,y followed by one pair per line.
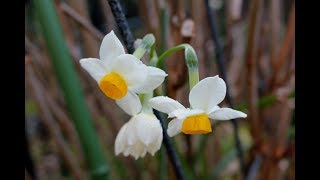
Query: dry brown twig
x,y
148,9
90,45
286,46
81,21
251,59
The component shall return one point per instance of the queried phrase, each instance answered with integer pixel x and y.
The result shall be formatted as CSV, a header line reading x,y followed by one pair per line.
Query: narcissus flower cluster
x,y
122,77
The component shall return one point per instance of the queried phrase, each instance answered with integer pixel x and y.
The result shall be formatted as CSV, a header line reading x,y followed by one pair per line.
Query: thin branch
x,y
291,69
255,15
222,69
253,169
285,48
122,25
90,46
81,21
170,150
274,28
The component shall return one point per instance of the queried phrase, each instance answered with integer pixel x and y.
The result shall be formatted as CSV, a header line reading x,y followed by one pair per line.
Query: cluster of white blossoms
x,y
122,77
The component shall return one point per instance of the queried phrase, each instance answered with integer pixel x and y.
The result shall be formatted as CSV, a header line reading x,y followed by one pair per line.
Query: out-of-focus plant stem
x,y
164,20
222,69
71,88
253,169
251,61
284,51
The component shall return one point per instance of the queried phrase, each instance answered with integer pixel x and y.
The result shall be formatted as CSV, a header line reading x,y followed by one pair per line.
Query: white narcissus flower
x,y
141,134
120,76
204,98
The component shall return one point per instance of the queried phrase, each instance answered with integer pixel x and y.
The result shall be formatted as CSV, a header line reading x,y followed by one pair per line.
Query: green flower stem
x,y
190,59
168,53
153,61
144,98
164,20
70,85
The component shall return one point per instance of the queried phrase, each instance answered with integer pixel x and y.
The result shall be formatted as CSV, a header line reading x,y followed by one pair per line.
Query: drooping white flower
x,y
204,98
120,76
141,134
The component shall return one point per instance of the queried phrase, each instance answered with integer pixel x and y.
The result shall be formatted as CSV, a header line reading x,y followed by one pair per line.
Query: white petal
x,y
131,69
226,114
120,142
154,79
132,137
184,113
207,93
110,48
139,150
155,146
94,67
214,108
165,104
130,103
148,128
174,127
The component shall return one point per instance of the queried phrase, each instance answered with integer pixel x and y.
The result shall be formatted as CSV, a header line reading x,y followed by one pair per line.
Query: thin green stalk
x,y
163,172
168,53
164,20
190,59
144,98
193,77
71,88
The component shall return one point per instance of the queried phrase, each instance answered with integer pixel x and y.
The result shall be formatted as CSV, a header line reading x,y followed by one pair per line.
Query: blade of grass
x,y
71,88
